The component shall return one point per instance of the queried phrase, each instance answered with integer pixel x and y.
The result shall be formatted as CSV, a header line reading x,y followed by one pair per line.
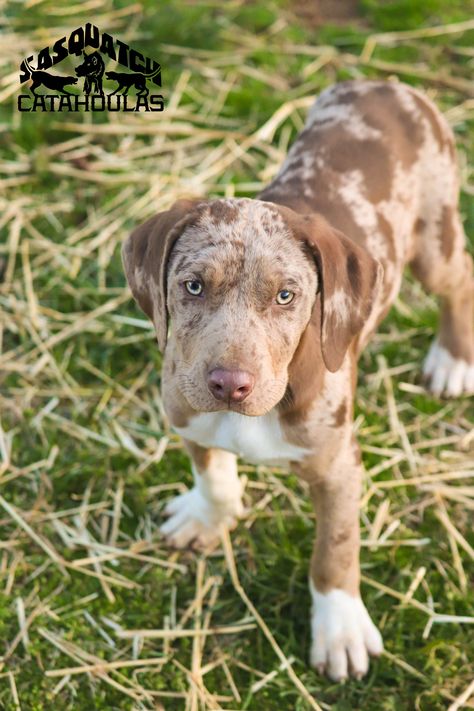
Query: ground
x,y
87,460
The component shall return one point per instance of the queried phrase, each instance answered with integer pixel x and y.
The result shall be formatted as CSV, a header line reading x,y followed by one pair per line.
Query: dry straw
x,y
139,165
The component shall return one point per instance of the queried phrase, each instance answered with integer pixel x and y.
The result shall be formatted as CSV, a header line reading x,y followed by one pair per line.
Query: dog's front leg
x,y
343,635
196,516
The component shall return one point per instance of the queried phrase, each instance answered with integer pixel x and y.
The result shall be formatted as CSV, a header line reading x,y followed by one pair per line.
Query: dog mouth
x,y
249,409
258,403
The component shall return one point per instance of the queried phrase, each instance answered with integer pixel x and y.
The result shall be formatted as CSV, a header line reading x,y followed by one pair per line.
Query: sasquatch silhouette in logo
x,y
50,81
126,81
92,69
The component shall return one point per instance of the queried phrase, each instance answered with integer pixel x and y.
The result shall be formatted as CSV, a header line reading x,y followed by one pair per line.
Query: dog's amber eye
x,y
284,297
193,287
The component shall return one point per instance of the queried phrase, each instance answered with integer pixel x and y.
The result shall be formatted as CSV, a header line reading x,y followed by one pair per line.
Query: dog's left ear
x,y
349,282
145,257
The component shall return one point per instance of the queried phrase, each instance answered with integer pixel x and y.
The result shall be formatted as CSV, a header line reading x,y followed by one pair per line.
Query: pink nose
x,y
230,385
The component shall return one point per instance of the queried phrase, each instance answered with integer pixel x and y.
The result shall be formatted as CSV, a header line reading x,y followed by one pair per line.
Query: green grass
x,y
68,425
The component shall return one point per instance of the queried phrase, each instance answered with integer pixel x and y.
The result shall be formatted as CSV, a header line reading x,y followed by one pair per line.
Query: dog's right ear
x,y
145,257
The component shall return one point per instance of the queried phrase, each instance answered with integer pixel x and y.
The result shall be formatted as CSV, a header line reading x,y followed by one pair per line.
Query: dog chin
x,y
248,408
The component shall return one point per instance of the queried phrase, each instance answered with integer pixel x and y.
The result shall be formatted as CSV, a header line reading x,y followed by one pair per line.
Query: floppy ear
x,y
350,279
145,258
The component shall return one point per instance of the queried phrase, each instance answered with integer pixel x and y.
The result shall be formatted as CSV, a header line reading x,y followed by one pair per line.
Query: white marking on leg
x,y
448,375
215,501
343,635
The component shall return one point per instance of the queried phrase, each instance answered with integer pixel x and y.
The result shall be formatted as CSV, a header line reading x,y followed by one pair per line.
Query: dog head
x,y
240,281
92,65
111,75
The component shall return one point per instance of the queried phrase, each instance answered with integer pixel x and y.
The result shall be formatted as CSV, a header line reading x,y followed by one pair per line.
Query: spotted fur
x,y
369,186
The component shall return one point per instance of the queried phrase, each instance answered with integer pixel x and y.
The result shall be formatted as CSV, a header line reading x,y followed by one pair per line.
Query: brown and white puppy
x,y
269,303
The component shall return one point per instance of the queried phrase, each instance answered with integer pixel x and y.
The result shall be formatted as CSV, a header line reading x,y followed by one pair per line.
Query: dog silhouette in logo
x,y
50,81
92,69
125,81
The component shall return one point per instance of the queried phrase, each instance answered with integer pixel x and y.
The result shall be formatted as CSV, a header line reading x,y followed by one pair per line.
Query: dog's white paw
x,y
343,635
195,520
447,375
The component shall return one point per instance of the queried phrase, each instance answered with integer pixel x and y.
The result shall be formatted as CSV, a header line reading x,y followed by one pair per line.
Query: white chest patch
x,y
256,439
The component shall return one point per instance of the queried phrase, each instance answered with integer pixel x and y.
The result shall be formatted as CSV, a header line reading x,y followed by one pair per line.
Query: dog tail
x,y
156,71
29,67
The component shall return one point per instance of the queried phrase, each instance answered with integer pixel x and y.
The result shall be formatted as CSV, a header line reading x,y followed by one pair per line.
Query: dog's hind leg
x,y
445,268
142,90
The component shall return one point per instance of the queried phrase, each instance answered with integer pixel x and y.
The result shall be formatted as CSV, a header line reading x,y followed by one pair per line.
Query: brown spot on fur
x,y
385,227
295,164
336,212
182,263
447,234
339,215
335,566
344,152
383,111
340,537
201,456
347,97
223,211
353,271
193,323
340,414
420,225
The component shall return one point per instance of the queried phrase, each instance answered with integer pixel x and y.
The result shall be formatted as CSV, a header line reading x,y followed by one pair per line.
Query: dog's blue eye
x,y
284,297
194,287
